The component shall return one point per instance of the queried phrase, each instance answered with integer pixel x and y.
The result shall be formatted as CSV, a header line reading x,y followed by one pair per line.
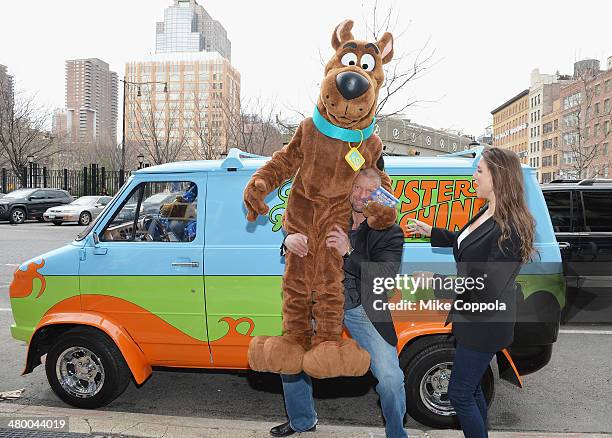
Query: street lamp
x,y
31,166
127,84
140,161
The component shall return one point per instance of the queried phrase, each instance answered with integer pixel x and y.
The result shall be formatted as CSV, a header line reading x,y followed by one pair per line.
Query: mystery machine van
x,y
188,284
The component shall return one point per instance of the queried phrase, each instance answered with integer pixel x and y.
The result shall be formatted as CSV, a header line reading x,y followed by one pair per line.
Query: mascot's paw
x,y
283,355
336,358
254,198
380,217
257,360
275,354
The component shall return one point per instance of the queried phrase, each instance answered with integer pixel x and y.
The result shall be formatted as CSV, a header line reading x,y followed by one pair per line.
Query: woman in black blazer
x,y
490,249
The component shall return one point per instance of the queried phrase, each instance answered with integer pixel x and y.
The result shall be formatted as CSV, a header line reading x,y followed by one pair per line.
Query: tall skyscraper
x,y
91,101
187,27
6,83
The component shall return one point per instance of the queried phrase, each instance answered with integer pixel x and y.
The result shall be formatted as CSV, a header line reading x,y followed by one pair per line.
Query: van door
x,y
244,269
145,270
591,300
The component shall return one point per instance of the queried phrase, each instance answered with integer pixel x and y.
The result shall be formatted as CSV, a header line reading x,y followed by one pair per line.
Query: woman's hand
x,y
418,227
297,244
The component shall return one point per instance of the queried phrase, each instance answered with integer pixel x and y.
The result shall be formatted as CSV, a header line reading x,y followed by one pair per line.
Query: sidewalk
x,y
123,424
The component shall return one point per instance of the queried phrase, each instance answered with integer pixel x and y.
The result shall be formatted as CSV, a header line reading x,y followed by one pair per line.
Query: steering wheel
x,y
148,222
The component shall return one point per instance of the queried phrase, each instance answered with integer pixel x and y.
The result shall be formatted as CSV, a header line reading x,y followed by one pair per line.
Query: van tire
x,y
99,355
420,404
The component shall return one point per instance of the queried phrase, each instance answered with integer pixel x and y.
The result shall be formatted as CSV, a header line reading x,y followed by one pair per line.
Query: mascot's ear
x,y
385,44
342,33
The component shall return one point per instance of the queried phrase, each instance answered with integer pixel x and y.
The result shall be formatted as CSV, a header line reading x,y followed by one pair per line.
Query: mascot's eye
x,y
367,62
349,59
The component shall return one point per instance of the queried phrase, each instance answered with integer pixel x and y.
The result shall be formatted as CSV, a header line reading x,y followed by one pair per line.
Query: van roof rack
x,y
564,181
234,158
474,152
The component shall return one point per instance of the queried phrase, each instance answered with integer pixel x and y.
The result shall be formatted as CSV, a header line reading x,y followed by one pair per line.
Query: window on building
x,y
607,85
597,108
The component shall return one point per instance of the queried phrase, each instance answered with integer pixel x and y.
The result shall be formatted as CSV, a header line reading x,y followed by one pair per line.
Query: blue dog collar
x,y
350,135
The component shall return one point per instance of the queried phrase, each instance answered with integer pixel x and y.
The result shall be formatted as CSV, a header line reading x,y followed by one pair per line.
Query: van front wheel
x,y
426,381
86,369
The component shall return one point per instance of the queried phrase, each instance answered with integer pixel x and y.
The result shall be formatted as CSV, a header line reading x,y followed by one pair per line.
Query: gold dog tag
x,y
354,158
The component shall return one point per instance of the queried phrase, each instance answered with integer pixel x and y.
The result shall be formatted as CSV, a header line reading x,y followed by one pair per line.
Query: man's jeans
x,y
465,393
384,365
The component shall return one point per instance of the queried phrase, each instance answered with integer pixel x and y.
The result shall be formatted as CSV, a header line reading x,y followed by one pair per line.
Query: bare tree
x,y
158,132
405,67
23,130
585,128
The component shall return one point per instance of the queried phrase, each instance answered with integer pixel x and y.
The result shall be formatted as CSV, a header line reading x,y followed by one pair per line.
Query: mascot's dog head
x,y
349,91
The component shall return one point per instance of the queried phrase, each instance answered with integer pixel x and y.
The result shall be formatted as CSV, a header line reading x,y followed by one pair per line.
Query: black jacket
x,y
479,256
376,254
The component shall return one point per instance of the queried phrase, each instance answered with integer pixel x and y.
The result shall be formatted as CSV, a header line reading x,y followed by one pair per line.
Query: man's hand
x,y
418,227
297,244
339,240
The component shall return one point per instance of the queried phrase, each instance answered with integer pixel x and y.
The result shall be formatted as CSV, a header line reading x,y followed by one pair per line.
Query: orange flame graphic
x,y
23,281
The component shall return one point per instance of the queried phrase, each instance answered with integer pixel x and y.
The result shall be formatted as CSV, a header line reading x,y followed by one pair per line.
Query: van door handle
x,y
100,251
564,245
186,264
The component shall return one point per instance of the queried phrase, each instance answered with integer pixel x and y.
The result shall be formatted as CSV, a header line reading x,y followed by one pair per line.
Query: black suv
x,y
22,204
581,214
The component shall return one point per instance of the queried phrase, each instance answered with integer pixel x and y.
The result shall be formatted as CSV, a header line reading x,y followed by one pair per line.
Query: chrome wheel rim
x,y
434,389
84,218
18,216
80,372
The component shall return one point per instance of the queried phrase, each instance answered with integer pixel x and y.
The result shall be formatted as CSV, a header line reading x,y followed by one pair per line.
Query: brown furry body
x,y
319,200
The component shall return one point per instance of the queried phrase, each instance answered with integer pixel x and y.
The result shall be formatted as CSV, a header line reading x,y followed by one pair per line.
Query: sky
x,y
482,53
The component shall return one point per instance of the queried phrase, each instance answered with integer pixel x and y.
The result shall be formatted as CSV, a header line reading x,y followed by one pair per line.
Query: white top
x,y
462,236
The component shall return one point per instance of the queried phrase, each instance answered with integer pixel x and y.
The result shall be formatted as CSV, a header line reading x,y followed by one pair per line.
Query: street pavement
x,y
570,395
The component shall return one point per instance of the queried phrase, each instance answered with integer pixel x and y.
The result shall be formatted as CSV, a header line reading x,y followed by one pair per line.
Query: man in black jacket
x,y
368,253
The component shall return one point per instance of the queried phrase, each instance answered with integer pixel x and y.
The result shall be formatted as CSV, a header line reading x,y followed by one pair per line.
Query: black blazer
x,y
479,256
376,254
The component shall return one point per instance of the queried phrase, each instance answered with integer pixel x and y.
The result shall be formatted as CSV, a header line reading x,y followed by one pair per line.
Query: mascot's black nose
x,y
351,85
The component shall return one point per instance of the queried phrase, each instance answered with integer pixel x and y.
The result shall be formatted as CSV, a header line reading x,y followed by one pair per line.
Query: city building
x,y
6,83
585,121
511,123
91,101
59,123
400,136
549,165
187,27
185,103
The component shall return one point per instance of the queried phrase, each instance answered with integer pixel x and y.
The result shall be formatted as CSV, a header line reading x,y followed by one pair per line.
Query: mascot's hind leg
x,y
284,354
332,356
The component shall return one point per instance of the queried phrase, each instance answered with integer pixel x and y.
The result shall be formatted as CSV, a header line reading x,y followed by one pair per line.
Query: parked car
x,y
22,204
132,293
581,214
81,210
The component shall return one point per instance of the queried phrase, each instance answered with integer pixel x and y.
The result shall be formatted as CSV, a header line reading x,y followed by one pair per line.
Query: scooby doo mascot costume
x,y
323,159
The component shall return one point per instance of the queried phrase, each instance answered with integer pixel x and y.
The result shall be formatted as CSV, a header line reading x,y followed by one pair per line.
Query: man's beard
x,y
356,209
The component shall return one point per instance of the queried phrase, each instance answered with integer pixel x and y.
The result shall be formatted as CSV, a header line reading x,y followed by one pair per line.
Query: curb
x,y
127,424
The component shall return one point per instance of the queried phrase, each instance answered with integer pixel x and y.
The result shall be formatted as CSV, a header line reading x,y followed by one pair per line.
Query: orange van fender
x,y
406,332
507,369
133,355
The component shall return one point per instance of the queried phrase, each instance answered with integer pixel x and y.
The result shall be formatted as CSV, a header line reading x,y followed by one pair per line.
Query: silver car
x,y
83,210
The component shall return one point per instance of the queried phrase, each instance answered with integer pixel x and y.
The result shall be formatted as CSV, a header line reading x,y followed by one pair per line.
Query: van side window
x,y
156,212
598,210
559,207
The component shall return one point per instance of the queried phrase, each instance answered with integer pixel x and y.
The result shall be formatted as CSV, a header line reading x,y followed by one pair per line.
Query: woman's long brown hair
x,y
511,212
